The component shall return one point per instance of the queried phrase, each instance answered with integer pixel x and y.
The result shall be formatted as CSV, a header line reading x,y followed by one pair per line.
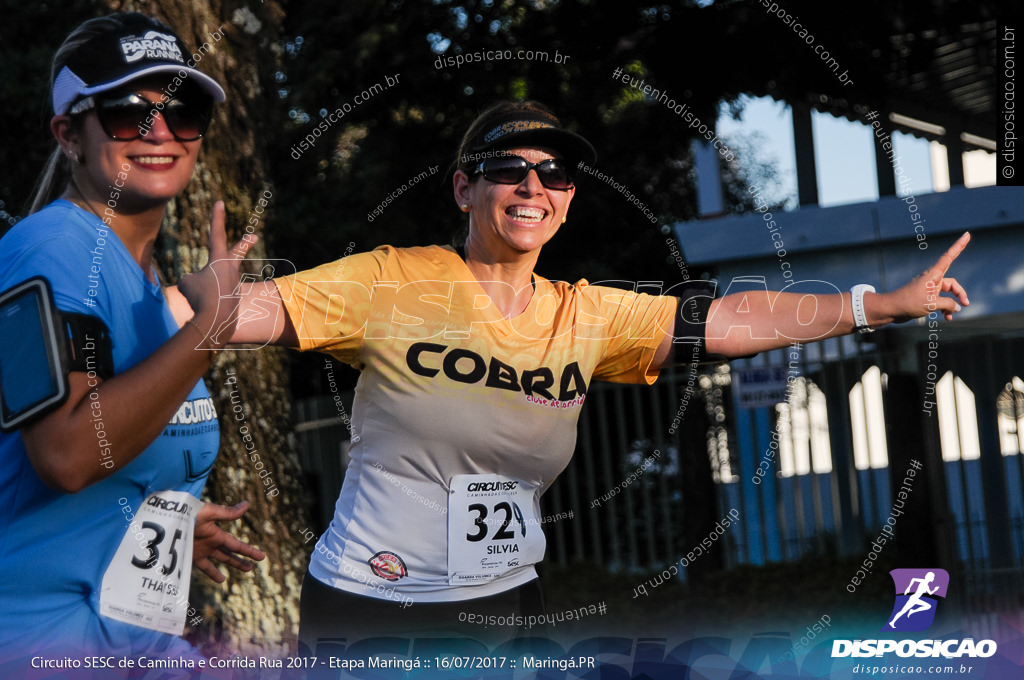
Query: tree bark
x,y
254,612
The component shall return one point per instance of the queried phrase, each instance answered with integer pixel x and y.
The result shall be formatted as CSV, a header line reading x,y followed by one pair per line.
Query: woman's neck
x,y
136,230
508,282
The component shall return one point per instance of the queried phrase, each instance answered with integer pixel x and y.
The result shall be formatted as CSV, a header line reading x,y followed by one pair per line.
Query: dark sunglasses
x,y
553,173
128,117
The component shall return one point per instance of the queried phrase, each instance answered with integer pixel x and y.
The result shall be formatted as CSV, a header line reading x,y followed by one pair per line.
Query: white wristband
x,y
860,319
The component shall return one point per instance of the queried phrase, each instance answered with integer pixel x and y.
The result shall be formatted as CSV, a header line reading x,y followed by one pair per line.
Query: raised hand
x,y
922,294
211,292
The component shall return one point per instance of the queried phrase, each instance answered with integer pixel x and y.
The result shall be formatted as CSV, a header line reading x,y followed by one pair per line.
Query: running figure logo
x,y
914,609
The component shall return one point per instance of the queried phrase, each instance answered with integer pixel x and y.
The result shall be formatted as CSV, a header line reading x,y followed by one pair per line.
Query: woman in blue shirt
x,y
100,520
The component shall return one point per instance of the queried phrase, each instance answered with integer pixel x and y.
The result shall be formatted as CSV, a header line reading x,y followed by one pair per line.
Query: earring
x,y
564,219
464,207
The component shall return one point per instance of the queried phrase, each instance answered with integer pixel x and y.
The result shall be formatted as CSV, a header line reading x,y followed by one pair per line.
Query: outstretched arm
x,y
262,319
741,324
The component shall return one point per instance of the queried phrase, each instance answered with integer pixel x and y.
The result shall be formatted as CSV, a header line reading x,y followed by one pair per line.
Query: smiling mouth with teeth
x,y
154,160
524,214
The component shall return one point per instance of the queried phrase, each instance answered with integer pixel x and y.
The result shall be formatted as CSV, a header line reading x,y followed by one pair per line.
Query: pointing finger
x,y
954,250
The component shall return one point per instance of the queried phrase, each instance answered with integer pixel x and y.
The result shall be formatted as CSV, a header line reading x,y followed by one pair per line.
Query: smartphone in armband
x,y
39,346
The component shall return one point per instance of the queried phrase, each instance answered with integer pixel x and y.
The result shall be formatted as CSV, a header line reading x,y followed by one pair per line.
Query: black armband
x,y
39,346
689,334
89,345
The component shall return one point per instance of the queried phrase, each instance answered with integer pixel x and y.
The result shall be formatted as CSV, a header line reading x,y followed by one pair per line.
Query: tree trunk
x,y
255,612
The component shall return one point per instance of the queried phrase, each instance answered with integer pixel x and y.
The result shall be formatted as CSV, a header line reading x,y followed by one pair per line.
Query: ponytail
x,y
52,182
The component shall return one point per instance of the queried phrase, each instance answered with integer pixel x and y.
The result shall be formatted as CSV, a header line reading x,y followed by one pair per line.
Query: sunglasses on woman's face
x,y
553,173
129,116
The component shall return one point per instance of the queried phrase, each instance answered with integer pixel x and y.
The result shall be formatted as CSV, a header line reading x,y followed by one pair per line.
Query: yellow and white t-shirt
x,y
463,418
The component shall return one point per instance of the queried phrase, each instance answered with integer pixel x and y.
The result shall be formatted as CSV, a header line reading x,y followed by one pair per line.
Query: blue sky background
x,y
843,152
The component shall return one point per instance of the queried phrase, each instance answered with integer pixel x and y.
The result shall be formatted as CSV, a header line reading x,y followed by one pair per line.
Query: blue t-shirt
x,y
55,547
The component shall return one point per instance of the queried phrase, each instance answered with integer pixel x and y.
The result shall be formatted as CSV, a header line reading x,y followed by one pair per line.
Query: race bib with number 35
x,y
492,528
148,580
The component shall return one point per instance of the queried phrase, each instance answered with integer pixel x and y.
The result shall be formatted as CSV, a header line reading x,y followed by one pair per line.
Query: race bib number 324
x,y
492,528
